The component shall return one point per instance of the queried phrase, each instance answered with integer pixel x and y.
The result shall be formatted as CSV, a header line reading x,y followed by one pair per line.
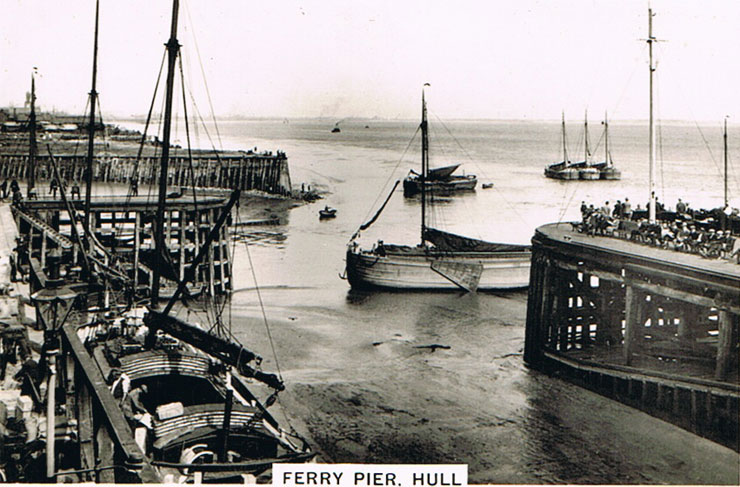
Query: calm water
x,y
357,383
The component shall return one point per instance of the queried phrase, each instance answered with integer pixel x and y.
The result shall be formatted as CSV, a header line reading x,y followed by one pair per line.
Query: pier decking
x,y
653,328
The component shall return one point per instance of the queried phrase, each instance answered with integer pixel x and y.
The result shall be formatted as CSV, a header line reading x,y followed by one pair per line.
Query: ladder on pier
x,y
44,228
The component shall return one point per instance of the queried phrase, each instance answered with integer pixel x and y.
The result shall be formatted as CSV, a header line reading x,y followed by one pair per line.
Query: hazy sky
x,y
340,58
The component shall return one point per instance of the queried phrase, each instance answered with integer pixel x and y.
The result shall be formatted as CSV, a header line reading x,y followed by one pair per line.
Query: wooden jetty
x,y
265,171
655,329
125,227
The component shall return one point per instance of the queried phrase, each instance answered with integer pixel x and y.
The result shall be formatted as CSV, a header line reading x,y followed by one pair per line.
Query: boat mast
x,y
725,144
91,131
650,41
585,136
32,149
606,140
424,161
173,48
565,145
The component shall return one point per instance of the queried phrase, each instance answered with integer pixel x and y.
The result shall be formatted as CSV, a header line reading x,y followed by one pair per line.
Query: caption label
x,y
360,475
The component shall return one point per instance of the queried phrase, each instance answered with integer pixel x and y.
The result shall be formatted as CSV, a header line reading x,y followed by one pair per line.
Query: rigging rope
x,y
262,309
135,172
701,132
205,82
387,181
506,202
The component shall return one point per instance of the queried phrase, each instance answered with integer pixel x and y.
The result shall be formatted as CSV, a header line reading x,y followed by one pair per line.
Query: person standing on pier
x,y
627,209
17,197
680,207
53,187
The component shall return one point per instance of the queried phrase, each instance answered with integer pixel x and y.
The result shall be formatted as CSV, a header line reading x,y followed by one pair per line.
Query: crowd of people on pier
x,y
676,230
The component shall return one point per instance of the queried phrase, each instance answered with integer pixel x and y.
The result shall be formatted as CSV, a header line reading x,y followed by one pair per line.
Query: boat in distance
x,y
584,170
442,260
327,212
440,180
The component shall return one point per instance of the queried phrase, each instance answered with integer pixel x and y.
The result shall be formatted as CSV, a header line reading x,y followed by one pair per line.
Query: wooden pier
x,y
652,328
264,171
124,226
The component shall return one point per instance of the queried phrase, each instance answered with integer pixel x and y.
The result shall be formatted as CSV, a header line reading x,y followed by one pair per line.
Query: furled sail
x,y
446,241
441,173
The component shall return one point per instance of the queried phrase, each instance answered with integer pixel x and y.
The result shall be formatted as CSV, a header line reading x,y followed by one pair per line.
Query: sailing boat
x,y
583,170
442,260
438,180
148,398
206,412
606,169
563,169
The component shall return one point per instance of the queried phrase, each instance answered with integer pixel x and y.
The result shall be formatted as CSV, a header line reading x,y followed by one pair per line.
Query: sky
x,y
489,59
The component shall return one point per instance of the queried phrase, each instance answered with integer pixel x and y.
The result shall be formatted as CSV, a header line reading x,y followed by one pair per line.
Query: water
x,y
359,385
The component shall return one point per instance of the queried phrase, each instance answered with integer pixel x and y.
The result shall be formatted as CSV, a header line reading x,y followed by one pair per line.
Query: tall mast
x,y
91,130
585,136
606,140
424,161
565,145
32,150
725,144
173,48
650,41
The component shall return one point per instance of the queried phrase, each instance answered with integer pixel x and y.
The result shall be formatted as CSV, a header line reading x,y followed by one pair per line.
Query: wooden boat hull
x,y
610,174
412,186
589,174
567,174
413,269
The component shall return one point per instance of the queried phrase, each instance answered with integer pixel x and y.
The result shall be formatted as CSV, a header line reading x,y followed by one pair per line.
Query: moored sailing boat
x,y
563,169
442,260
606,169
150,399
584,170
439,180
